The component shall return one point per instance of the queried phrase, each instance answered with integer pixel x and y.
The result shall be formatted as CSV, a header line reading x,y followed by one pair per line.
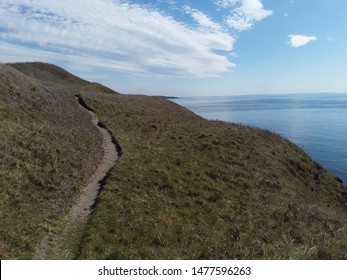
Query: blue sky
x,y
185,47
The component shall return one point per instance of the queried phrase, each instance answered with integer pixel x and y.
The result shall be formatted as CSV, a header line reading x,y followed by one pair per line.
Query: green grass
x,y
187,188
48,149
184,188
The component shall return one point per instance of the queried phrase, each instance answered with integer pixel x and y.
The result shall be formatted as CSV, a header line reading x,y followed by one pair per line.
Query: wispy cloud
x,y
300,40
116,34
244,13
12,52
202,19
226,3
122,35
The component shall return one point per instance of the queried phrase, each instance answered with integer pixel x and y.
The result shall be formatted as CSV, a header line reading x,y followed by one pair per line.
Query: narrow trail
x,y
61,246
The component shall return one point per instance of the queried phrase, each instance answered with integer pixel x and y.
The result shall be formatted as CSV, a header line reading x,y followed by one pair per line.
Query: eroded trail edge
x,y
62,244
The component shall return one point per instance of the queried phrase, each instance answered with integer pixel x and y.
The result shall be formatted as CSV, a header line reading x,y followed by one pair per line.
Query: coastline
x,y
321,141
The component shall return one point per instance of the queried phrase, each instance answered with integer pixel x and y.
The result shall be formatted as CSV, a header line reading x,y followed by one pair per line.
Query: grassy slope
x,y
184,188
195,189
48,149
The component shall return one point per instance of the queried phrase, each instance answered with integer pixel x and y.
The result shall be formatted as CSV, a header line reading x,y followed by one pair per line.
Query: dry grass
x,y
48,148
185,188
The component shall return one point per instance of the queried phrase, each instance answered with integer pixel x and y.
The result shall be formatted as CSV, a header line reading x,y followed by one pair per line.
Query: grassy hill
x,y
185,187
48,148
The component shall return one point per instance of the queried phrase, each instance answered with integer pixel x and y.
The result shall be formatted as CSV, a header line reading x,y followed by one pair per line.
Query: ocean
x,y
315,122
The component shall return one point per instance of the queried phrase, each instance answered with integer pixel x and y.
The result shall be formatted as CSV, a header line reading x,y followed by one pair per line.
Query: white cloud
x,y
202,19
244,13
300,40
255,9
115,35
226,3
11,53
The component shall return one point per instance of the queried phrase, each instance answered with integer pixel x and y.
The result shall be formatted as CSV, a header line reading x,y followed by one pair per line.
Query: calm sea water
x,y
316,122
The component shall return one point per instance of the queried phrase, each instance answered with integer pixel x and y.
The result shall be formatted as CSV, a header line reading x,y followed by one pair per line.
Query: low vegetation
x,y
195,189
48,149
185,187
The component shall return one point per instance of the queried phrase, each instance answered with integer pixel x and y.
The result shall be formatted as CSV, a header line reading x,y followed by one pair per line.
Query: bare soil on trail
x,y
62,243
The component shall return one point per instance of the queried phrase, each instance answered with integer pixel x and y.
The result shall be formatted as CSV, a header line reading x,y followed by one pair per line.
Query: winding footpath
x,y
58,247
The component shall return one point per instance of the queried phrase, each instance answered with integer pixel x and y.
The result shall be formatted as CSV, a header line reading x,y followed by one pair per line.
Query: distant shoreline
x,y
168,97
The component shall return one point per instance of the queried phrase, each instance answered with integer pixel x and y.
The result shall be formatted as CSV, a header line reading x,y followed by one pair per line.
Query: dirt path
x,y
62,245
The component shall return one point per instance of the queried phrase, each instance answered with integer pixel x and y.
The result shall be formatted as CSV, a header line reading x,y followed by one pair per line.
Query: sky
x,y
185,47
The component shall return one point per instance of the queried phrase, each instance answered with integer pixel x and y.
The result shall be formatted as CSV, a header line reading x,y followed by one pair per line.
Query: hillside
x,y
185,187
48,147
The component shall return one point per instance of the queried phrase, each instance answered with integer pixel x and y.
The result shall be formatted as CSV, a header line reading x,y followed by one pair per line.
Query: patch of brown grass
x,y
48,149
187,188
